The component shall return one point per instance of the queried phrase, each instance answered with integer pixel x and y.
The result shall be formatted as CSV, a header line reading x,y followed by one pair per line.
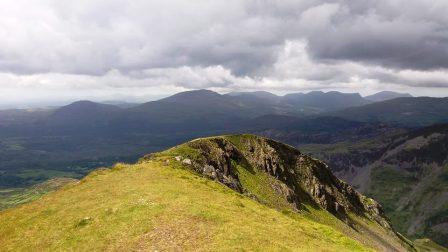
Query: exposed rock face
x,y
304,179
406,172
216,161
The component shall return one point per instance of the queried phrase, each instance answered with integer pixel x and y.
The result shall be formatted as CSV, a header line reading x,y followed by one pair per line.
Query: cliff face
x,y
284,178
407,173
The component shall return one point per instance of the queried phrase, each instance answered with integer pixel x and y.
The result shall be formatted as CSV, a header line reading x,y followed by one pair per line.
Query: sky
x,y
54,51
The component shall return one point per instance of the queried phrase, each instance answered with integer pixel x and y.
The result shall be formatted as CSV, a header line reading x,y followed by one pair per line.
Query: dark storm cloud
x,y
396,34
242,44
93,37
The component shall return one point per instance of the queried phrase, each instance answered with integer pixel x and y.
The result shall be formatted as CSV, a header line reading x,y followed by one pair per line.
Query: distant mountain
x,y
406,111
299,131
314,102
195,110
407,173
386,95
83,113
318,101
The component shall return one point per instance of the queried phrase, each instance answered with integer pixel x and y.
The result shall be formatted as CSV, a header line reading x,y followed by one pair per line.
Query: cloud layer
x,y
136,48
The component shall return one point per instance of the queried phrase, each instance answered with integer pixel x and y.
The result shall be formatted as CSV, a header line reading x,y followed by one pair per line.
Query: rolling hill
x,y
220,193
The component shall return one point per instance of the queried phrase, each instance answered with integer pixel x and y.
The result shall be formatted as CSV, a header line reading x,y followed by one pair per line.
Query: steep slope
x,y
407,173
406,111
385,95
269,196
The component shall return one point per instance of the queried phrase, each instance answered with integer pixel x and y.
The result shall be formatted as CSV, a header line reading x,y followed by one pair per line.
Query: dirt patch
x,y
178,235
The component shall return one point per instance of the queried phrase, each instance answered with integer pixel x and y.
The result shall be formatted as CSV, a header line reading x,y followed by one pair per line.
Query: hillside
x,y
407,173
221,193
405,111
325,129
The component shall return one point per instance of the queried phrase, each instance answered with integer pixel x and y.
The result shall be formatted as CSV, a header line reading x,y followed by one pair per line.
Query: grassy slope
x,y
153,206
409,199
428,245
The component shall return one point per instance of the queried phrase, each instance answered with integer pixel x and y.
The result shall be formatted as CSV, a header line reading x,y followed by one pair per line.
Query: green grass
x,y
238,140
428,245
397,184
155,207
260,185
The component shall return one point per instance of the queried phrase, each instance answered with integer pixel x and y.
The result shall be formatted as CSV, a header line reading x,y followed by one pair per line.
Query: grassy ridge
x,y
150,205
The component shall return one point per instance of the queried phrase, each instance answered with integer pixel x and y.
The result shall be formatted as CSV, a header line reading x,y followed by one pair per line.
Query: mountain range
x,y
188,108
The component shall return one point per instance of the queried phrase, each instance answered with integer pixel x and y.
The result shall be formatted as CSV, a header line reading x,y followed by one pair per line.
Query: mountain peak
x,y
82,103
386,95
86,106
193,94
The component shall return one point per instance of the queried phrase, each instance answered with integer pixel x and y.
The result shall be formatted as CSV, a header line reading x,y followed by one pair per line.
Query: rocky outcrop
x,y
304,180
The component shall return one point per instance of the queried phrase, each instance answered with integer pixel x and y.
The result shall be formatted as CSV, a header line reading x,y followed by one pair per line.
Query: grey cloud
x,y
93,38
396,34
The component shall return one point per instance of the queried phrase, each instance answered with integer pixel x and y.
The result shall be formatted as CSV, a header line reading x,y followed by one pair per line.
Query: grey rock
x,y
186,161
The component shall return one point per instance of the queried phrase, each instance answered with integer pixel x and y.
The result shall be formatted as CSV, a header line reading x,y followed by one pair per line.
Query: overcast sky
x,y
61,50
